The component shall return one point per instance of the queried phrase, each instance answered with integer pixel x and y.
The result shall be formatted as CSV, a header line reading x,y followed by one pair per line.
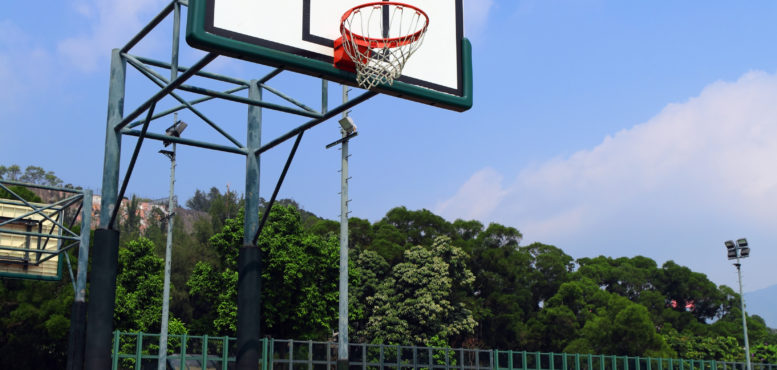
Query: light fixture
x,y
175,130
732,249
347,124
736,251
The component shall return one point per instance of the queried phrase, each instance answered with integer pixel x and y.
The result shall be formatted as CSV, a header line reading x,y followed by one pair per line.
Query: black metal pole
x,y
102,294
102,291
76,340
249,292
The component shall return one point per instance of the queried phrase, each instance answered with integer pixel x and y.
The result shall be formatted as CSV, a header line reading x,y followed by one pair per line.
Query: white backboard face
x,y
308,28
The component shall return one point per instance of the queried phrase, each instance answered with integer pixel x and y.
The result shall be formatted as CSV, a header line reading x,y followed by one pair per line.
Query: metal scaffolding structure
x,y
55,225
248,92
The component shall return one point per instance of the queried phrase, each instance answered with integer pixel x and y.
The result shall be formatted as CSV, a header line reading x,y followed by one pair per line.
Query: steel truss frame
x,y
82,199
101,301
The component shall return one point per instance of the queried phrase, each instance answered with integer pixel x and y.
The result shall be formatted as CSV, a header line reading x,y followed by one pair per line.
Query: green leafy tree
x,y
764,353
199,202
368,271
34,322
704,348
22,192
621,327
139,290
299,278
418,300
11,172
565,314
502,293
549,268
686,288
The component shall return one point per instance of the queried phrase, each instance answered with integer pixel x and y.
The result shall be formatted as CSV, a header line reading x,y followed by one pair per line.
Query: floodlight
x,y
737,251
347,124
175,130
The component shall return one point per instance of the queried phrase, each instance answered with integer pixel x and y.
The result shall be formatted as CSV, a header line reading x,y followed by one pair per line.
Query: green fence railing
x,y
522,360
140,351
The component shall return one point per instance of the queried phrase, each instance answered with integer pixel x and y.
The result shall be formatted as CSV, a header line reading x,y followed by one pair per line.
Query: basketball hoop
x,y
377,40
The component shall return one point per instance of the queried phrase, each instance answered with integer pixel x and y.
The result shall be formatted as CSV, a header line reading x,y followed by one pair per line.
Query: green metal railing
x,y
514,360
140,351
290,354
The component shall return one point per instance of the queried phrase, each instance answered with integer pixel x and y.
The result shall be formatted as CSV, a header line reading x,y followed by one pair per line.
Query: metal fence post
x,y
552,362
204,352
183,351
116,342
524,360
577,361
138,350
590,362
310,354
538,360
225,353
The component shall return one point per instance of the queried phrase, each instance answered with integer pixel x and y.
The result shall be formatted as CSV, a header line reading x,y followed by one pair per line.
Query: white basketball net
x,y
380,37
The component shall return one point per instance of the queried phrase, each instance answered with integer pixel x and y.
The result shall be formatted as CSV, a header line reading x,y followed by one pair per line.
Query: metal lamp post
x,y
175,131
737,250
348,131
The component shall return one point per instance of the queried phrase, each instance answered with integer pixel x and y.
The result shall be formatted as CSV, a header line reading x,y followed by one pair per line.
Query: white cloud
x,y
675,187
24,67
476,16
111,24
477,198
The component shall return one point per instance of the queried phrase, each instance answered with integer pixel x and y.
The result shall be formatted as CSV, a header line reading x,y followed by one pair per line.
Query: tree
x,y
22,192
10,173
621,327
32,175
704,348
368,271
690,291
129,224
418,300
416,227
764,353
34,322
139,290
550,267
503,297
299,278
199,202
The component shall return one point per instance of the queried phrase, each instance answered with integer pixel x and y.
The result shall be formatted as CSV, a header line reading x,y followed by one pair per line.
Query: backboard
x,y
32,257
299,35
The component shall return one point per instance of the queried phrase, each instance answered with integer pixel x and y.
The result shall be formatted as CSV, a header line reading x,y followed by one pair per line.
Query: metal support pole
x,y
249,257
744,315
342,337
102,293
162,363
75,358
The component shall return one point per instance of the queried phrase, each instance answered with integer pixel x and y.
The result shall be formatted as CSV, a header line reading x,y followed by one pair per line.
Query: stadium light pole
x,y
737,250
348,131
175,131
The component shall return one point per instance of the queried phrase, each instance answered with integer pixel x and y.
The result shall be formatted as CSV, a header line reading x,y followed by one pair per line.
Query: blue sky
x,y
602,127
